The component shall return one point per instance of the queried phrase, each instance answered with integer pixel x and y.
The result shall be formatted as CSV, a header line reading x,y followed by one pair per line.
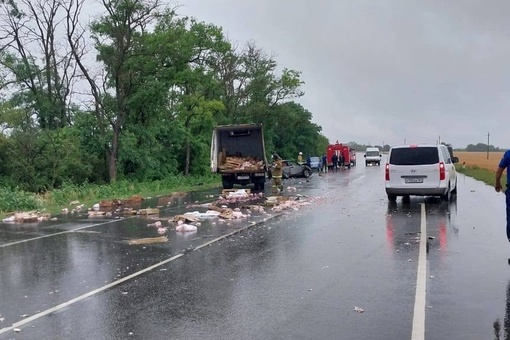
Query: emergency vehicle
x,y
338,148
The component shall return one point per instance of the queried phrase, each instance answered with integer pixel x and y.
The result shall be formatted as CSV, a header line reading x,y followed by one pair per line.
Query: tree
x,y
116,36
37,68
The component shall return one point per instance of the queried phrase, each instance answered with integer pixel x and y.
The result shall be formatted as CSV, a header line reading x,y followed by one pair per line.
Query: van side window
x,y
446,155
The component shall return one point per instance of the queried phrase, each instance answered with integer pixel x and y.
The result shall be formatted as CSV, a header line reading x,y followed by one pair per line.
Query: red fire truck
x,y
338,148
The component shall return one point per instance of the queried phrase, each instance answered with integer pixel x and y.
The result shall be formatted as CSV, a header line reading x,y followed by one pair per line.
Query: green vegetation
x,y
55,200
481,174
134,104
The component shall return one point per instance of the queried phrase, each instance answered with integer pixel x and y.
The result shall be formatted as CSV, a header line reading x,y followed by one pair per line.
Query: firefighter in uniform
x,y
277,173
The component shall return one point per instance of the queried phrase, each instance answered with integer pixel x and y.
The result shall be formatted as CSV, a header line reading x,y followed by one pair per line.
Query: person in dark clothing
x,y
504,164
341,161
324,163
334,160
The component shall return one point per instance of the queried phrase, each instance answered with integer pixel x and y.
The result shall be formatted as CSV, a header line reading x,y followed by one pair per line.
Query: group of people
x,y
338,162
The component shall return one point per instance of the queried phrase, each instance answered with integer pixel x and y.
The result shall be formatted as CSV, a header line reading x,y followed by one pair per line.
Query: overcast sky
x,y
386,70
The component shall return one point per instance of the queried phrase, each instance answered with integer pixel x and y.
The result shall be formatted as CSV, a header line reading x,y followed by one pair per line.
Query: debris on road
x,y
27,217
185,218
148,240
93,213
155,224
162,230
359,309
186,228
236,192
148,211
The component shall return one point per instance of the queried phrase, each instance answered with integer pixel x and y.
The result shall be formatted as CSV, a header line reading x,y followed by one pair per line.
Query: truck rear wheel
x,y
258,185
227,183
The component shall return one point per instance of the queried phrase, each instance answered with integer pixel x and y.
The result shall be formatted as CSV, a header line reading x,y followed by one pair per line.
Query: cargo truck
x,y
238,154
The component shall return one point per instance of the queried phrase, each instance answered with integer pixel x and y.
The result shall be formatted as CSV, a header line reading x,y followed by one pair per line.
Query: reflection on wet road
x,y
297,274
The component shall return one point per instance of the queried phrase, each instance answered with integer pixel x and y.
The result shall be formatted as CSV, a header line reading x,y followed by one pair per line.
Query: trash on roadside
x,y
148,240
148,211
155,224
207,214
185,218
96,213
358,309
186,228
162,230
27,217
236,192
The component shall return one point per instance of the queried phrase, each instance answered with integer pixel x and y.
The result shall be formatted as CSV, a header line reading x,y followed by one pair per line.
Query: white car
x,y
420,170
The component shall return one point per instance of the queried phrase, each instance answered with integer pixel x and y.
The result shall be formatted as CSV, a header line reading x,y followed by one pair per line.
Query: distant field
x,y
479,159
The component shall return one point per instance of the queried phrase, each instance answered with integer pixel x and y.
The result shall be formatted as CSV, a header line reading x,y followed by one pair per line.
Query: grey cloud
x,y
389,69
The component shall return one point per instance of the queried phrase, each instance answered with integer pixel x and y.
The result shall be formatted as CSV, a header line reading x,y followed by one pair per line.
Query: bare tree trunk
x,y
112,156
188,156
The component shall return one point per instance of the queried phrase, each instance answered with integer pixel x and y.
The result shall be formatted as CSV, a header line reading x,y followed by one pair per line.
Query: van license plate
x,y
414,180
243,177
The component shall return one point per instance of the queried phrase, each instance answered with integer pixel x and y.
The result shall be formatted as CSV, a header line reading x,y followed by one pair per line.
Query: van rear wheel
x,y
446,197
392,198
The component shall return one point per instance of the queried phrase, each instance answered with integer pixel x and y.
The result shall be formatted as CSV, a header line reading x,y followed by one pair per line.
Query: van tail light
x,y
387,172
442,173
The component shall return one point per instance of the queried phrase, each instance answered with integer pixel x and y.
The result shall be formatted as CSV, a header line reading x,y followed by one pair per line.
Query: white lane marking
x,y
55,234
129,277
86,295
421,283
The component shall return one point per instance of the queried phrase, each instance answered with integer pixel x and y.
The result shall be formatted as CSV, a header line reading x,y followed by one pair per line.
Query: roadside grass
x,y
12,200
482,174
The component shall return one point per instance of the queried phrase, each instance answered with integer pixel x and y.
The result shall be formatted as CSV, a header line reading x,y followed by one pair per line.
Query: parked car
x,y
420,170
293,169
315,163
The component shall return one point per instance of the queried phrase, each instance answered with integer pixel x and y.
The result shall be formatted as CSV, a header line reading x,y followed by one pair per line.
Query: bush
x,y
16,200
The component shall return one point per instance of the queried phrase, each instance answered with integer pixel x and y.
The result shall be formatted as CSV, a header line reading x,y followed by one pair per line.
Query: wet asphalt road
x,y
292,275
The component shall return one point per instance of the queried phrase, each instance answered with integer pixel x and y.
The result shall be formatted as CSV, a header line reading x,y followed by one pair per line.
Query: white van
x,y
373,156
420,170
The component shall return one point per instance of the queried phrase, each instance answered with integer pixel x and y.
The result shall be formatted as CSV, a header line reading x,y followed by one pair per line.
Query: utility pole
x,y
439,140
404,141
488,143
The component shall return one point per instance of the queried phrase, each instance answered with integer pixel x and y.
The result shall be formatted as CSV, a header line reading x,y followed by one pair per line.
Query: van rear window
x,y
414,156
372,153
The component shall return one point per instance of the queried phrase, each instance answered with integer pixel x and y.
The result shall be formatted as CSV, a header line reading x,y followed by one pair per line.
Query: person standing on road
x,y
341,160
504,164
300,158
277,174
324,163
334,160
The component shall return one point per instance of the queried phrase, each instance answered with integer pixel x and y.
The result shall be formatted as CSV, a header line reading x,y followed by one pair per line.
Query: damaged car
x,y
293,169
